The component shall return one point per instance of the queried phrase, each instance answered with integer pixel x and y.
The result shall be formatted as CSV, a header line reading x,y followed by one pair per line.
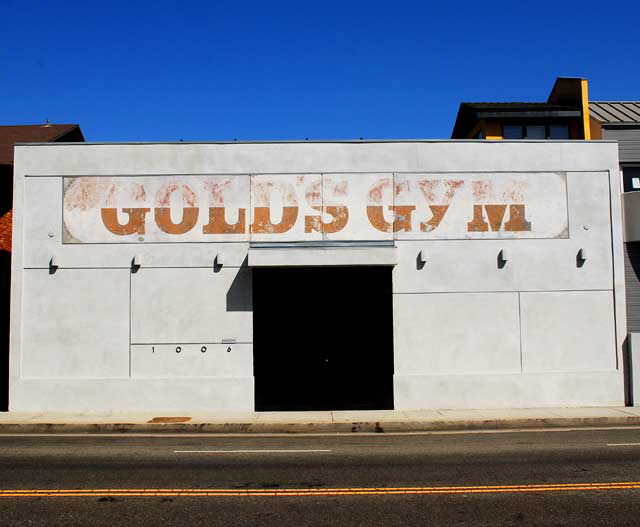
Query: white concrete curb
x,y
321,422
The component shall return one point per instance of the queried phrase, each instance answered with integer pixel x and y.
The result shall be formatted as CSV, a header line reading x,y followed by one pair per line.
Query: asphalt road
x,y
506,478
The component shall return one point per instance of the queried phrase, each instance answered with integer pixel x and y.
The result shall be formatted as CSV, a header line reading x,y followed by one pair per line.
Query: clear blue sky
x,y
164,71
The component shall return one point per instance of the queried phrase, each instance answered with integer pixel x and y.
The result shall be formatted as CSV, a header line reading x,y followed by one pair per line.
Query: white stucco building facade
x,y
138,271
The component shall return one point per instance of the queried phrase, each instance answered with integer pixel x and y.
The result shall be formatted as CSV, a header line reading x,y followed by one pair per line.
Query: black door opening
x,y
323,338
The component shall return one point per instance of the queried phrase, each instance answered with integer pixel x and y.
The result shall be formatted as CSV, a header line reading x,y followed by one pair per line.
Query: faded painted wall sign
x,y
307,207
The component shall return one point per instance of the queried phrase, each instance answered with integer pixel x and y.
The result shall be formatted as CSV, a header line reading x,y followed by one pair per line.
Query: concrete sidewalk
x,y
317,422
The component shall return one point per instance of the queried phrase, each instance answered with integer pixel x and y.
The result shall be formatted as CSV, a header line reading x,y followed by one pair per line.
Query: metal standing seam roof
x,y
615,112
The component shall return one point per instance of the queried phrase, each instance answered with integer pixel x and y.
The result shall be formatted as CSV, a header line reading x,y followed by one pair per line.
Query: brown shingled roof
x,y
9,135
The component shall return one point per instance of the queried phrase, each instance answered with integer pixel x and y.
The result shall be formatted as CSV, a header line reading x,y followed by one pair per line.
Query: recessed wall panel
x,y
191,360
75,324
568,331
456,333
198,306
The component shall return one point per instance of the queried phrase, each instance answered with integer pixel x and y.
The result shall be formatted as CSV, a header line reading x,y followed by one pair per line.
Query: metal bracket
x,y
136,263
53,265
503,258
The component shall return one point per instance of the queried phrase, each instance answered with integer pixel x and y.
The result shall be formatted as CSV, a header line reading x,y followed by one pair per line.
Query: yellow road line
x,y
534,485
349,491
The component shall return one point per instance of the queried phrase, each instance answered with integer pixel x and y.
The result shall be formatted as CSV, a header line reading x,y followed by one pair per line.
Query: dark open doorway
x,y
323,338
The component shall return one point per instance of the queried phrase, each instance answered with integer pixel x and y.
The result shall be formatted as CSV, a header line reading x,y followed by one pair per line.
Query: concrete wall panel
x,y
314,157
590,205
568,331
456,333
322,256
177,396
534,265
525,390
191,360
42,233
76,324
120,256
191,306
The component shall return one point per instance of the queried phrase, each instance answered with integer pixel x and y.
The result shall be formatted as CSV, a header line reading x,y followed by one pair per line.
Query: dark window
x,y
631,179
512,132
535,131
558,131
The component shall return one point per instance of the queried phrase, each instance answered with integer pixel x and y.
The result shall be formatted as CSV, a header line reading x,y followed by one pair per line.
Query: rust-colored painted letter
x,y
189,219
218,224
402,217
495,215
313,223
262,220
517,220
135,225
376,218
340,218
438,212
477,224
340,215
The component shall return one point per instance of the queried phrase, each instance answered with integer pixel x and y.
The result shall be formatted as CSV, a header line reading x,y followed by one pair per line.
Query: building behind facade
x,y
564,115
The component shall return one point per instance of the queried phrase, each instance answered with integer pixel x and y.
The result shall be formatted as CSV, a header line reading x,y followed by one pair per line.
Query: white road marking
x,y
623,444
282,451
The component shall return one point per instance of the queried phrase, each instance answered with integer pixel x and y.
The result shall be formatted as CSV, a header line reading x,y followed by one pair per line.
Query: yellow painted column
x,y
586,123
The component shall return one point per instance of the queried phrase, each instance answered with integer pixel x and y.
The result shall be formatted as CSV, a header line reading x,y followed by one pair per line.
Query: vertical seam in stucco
x,y
129,324
62,210
250,211
520,329
394,235
322,233
566,195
